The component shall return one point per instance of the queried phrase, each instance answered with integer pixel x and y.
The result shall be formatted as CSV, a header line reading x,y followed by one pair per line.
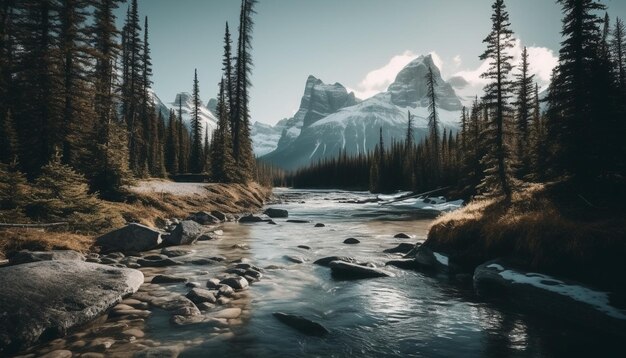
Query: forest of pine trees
x,y
77,91
505,140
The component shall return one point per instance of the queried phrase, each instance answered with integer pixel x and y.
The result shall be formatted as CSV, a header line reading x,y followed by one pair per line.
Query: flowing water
x,y
411,314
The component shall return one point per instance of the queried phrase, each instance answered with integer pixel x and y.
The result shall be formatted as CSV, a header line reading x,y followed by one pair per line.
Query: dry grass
x,y
12,240
541,231
148,208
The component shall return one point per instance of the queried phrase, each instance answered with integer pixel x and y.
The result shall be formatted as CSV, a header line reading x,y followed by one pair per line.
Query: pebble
x,y
135,332
228,313
351,241
58,354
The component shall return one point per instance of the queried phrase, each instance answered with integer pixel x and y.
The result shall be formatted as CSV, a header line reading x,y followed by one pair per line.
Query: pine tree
x,y
62,194
618,46
38,117
497,93
8,137
433,123
171,145
132,95
110,165
242,143
581,97
227,68
195,156
148,114
222,161
523,104
14,193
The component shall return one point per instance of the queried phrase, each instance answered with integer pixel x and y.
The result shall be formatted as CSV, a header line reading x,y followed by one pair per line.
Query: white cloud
x,y
542,60
378,80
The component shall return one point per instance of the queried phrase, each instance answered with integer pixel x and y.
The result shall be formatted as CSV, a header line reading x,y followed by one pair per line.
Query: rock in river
x,y
294,259
237,283
130,239
403,248
199,295
351,241
401,236
204,218
276,213
346,270
25,256
42,300
185,233
325,261
302,324
251,219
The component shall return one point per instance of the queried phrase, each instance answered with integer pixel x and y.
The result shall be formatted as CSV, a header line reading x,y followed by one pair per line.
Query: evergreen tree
x,y
580,97
227,68
38,117
523,104
497,93
133,89
195,156
433,123
62,194
110,166
242,143
222,161
149,125
409,130
618,46
8,139
14,193
171,145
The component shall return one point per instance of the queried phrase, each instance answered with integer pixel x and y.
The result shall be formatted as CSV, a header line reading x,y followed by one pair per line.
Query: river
x,y
410,315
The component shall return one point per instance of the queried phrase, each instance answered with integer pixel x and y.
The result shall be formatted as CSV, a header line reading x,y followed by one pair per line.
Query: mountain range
x,y
331,120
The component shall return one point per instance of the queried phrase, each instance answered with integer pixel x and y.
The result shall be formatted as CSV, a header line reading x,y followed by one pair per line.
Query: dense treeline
x,y
78,120
76,89
505,140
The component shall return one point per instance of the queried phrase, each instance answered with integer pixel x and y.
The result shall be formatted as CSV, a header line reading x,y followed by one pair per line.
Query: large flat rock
x,y
42,300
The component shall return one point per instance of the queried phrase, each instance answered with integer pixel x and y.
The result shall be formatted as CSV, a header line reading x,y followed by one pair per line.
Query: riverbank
x,y
543,229
149,202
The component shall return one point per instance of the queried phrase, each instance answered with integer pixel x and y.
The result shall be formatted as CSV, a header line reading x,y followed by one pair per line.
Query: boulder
x,y
167,279
559,298
403,248
204,218
199,295
430,259
319,225
298,221
185,233
351,241
42,300
251,219
276,213
130,239
25,256
401,236
237,283
325,261
346,270
178,305
302,324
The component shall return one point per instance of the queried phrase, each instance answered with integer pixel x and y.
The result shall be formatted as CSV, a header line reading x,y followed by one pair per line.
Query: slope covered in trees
x,y
77,91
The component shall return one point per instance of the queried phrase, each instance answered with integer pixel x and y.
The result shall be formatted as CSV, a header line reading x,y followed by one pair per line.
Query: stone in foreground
x,y
346,270
403,248
325,261
40,301
302,324
129,239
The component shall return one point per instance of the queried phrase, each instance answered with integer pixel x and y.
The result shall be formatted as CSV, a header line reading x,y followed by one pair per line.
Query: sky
x,y
361,44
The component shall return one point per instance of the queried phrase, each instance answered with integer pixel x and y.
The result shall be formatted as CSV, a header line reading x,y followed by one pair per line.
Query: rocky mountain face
x,y
330,120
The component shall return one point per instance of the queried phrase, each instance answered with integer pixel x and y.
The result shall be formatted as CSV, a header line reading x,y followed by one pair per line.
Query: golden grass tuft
x,y
16,239
541,231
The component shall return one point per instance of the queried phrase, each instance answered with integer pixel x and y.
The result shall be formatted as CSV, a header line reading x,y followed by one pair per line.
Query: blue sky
x,y
358,43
